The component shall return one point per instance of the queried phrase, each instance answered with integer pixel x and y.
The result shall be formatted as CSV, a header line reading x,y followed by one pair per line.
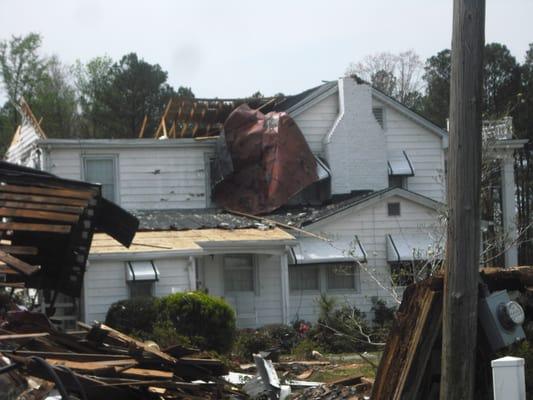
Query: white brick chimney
x,y
355,147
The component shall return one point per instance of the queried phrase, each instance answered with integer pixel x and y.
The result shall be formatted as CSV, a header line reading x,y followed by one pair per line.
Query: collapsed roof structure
x,y
47,227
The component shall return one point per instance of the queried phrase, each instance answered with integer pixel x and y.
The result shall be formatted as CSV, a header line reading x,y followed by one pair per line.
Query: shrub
x,y
133,315
283,337
207,321
383,318
339,328
165,335
250,342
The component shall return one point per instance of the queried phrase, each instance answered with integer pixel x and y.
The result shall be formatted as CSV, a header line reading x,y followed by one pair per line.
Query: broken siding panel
x,y
160,178
21,151
424,149
316,121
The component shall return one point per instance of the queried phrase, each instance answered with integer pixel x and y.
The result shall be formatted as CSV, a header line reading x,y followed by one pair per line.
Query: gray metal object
x,y
501,319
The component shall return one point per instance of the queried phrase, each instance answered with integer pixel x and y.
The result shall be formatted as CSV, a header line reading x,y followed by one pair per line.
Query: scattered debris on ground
x,y
99,362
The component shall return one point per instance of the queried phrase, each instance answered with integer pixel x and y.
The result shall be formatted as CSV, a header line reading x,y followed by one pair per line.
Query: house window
x,y
394,209
141,277
141,289
239,273
404,273
304,277
102,170
379,116
342,276
397,181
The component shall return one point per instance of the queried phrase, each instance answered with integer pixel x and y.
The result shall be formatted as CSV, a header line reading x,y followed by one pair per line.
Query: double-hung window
x,y
239,273
342,276
102,170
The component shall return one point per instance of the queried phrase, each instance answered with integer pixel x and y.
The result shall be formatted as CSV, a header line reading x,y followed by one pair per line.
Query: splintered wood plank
x,y
57,192
27,227
19,250
17,264
139,373
409,344
42,207
18,336
35,214
4,269
43,199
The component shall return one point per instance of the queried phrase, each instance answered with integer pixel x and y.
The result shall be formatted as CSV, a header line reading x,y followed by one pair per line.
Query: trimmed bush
x,y
133,316
250,342
207,321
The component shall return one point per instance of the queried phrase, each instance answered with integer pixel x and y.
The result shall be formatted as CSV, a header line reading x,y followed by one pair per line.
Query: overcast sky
x,y
229,48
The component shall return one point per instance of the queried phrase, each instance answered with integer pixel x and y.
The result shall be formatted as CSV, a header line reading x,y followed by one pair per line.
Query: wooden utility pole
x,y
459,328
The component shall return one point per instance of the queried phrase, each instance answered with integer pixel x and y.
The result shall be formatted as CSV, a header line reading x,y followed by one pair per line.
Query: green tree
x,y
21,68
436,104
501,84
54,100
501,81
138,89
93,81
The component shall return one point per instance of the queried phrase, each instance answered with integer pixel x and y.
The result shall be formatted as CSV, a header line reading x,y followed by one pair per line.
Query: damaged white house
x,y
379,202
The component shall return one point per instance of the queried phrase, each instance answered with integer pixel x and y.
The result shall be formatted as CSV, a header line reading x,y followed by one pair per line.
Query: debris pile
x,y
99,362
335,392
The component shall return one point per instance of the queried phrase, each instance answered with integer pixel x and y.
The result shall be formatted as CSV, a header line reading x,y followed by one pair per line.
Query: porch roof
x,y
190,242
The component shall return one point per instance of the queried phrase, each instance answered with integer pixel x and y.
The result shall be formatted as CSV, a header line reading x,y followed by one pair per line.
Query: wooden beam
x,y
29,227
18,336
17,264
459,340
43,199
42,207
35,214
143,126
77,194
19,250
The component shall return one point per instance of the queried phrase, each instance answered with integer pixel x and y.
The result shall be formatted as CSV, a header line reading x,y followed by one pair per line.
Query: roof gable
x,y
375,198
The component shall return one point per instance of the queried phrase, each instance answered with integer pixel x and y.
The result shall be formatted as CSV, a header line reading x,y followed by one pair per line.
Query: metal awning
x,y
141,271
412,247
399,164
311,250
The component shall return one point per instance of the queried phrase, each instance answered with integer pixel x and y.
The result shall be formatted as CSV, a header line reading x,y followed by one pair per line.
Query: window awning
x,y
311,250
141,271
399,164
322,169
412,247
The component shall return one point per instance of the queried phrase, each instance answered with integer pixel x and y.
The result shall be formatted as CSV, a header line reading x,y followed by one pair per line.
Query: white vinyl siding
x,y
23,151
316,121
148,178
371,225
423,148
105,283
